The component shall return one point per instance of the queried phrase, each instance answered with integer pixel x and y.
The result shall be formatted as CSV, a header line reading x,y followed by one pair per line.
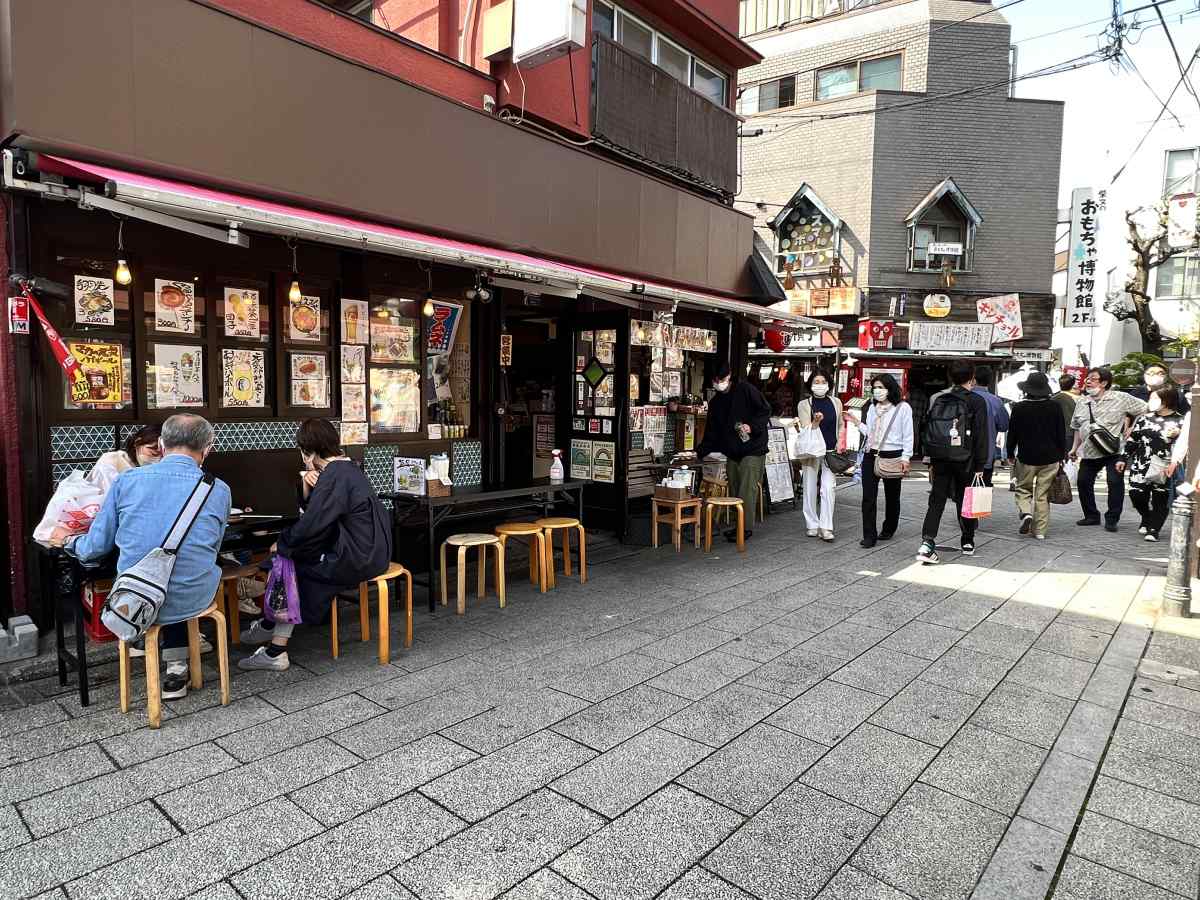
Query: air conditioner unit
x,y
546,29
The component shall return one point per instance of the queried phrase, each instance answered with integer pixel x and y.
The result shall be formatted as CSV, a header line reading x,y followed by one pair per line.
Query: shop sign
x,y
1183,371
937,306
961,337
840,301
875,334
1004,313
1181,221
1033,356
18,315
1081,276
944,248
443,326
506,345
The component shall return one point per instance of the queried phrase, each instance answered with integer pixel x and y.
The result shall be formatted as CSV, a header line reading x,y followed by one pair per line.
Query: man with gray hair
x,y
136,516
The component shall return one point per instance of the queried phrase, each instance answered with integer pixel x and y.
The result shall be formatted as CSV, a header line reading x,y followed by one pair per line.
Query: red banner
x,y
70,366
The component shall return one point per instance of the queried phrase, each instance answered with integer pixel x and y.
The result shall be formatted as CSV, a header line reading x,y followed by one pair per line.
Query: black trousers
x,y
1089,470
870,498
948,481
1152,501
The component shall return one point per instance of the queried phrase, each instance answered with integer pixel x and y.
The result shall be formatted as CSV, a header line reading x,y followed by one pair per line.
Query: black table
x,y
68,576
539,495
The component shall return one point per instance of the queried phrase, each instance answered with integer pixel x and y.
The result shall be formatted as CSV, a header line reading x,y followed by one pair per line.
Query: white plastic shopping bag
x,y
75,503
1072,470
810,444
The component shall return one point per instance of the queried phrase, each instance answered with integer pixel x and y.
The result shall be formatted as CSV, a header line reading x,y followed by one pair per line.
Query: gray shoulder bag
x,y
140,591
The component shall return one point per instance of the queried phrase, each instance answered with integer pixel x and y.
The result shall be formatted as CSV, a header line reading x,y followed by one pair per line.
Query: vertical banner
x,y
1081,271
1181,221
443,325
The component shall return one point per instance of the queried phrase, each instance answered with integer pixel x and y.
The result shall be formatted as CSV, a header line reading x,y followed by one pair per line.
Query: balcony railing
x,y
639,108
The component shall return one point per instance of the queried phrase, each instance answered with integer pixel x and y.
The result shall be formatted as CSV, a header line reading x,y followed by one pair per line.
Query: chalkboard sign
x,y
779,467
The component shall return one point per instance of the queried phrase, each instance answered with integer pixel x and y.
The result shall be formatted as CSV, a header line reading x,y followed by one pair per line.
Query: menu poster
x,y
673,359
103,369
304,319
657,387
543,436
308,365
657,359
603,461
355,321
408,475
608,425
635,387
178,376
310,392
354,402
174,306
392,343
395,398
674,384
637,418
354,433
94,304
243,378
354,364
593,426
581,459
579,424
606,336
241,313
606,354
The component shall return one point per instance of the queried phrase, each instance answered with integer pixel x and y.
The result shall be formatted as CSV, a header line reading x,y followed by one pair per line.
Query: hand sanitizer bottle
x,y
556,467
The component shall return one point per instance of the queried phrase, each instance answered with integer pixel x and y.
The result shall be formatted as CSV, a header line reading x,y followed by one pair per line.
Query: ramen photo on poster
x,y
103,369
304,319
94,303
243,378
174,306
241,313
395,399
355,321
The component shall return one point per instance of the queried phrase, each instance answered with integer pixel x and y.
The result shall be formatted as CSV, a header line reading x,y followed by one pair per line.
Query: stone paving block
x,y
385,887
56,737
488,784
890,613
793,673
827,712
932,845
184,864
1166,694
1134,851
39,776
793,847
608,723
1108,686
765,643
1157,741
701,884
638,855
546,884
624,776
1024,864
1088,730
1027,615
355,790
923,640
686,644
1023,713
42,864
996,639
612,677
679,618
851,884
13,832
962,611
431,681
967,671
271,738
1171,718
515,717
699,677
846,640
206,801
492,856
871,768
1153,772
123,788
188,731
744,618
345,858
723,715
881,671
222,890
816,617
1126,647
1058,792
27,718
1079,643
1146,809
1082,879
986,768
313,691
1052,674
927,712
409,723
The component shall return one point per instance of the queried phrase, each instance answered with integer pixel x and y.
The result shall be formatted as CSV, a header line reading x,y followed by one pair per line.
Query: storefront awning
x,y
225,209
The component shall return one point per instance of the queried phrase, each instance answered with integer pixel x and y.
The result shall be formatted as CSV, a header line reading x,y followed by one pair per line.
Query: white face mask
x,y
1155,381
1092,391
1154,404
880,394
722,386
820,390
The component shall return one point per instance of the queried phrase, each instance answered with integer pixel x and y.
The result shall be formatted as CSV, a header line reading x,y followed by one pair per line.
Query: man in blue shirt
x,y
997,417
136,516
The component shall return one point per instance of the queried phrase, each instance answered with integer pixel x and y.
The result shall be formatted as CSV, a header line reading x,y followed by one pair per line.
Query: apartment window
x,y
759,15
882,74
673,60
1178,279
710,83
635,37
1181,173
768,95
604,20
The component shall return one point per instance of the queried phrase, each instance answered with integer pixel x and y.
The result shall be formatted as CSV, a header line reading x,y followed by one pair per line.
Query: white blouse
x,y
900,435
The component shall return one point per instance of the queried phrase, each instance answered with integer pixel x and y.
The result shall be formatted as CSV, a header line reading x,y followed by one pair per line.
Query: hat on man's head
x,y
723,372
1035,386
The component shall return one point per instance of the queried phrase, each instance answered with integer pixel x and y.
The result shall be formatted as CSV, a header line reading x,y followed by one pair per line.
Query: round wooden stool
x,y
154,677
394,570
465,542
679,513
724,503
537,548
549,526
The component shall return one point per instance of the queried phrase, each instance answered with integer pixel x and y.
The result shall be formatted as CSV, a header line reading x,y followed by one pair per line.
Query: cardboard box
x,y
670,493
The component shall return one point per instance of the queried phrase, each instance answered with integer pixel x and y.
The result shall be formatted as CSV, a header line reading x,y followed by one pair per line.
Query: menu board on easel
x,y
543,444
779,467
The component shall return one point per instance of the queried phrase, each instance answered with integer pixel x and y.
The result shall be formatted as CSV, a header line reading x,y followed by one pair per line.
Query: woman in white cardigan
x,y
887,430
821,410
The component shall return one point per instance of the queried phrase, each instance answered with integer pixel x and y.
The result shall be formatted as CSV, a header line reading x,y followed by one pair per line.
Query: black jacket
x,y
1036,433
978,410
743,402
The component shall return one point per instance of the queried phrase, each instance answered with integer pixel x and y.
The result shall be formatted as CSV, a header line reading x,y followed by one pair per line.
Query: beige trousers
x,y
1033,493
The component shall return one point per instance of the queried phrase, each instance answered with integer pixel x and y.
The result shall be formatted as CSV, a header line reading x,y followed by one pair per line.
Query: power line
x,y
1132,67
1182,78
1179,62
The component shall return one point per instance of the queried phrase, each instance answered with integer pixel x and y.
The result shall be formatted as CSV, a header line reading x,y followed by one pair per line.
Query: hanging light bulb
x,y
123,275
427,309
295,295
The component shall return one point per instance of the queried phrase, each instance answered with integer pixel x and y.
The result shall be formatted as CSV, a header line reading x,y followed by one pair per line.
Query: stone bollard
x,y
1177,595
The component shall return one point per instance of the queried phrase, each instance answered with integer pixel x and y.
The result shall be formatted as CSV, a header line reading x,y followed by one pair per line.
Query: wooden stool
x,y
724,504
464,542
677,518
229,607
154,677
394,570
710,487
549,526
537,548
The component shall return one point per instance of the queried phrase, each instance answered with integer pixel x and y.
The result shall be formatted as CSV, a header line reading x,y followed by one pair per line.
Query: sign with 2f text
x,y
1082,277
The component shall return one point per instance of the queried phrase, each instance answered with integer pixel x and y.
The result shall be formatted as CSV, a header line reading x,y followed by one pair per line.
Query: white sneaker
x,y
1150,538
1143,530
812,532
827,536
260,661
927,555
256,634
175,681
1040,537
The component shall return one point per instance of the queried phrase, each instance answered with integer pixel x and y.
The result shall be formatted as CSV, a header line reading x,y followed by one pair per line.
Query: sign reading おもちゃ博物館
x,y
1081,265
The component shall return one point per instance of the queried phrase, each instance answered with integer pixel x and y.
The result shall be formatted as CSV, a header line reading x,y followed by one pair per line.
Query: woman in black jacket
x,y
1037,440
342,538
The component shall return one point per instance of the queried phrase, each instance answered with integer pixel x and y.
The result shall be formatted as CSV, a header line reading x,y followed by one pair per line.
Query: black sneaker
x,y
927,555
1111,528
866,543
968,549
1087,521
175,681
1026,524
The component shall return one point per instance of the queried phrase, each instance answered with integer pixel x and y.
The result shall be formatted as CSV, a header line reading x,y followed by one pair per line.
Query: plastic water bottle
x,y
556,467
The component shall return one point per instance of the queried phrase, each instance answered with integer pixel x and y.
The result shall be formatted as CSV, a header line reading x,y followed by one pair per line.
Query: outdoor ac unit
x,y
546,29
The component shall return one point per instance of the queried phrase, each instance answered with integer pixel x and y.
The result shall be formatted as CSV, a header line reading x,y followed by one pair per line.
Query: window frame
x,y
1195,186
757,87
966,228
1190,261
857,64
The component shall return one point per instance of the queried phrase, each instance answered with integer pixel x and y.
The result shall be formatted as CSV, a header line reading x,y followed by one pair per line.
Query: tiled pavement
x,y
806,720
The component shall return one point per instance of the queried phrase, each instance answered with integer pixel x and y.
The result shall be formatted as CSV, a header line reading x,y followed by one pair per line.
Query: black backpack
x,y
947,435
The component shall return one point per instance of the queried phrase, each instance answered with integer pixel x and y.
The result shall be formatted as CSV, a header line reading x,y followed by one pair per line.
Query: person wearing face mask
x,y
821,410
738,416
887,431
1037,440
342,538
1148,459
1099,424
1154,377
139,512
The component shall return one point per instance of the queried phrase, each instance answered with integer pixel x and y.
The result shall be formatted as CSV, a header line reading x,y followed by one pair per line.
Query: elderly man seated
x,y
137,515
